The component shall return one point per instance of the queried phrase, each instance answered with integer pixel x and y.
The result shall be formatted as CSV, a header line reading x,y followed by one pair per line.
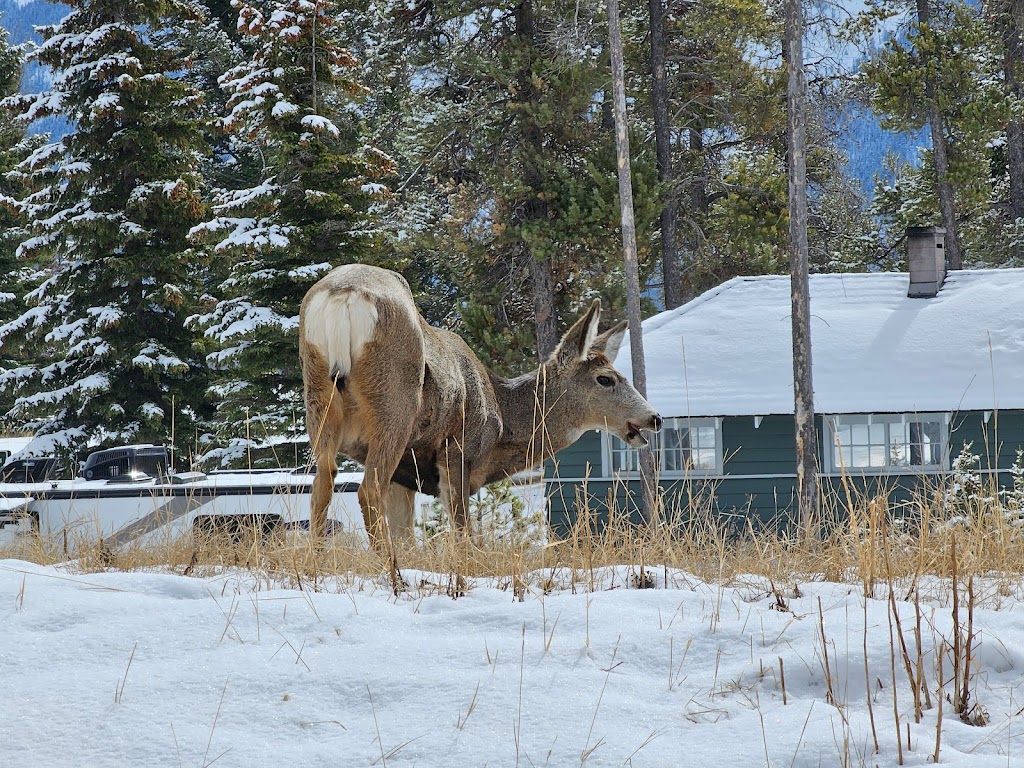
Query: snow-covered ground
x,y
152,669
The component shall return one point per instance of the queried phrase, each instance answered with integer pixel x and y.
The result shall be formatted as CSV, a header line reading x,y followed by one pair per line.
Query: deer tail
x,y
339,324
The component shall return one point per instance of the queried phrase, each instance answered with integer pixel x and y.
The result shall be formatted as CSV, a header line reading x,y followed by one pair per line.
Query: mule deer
x,y
415,406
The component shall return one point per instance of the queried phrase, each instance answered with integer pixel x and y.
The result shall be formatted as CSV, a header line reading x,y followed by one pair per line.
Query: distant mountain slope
x,y
19,18
866,144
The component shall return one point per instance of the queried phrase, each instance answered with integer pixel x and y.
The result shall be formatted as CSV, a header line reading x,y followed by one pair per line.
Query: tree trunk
x,y
940,155
542,292
698,199
803,386
632,268
1011,24
533,208
671,272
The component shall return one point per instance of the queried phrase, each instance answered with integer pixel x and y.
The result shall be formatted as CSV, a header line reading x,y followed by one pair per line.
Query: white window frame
x,y
901,420
610,443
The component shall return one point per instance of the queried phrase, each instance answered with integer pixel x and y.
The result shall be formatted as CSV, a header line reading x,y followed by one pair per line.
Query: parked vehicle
x,y
129,493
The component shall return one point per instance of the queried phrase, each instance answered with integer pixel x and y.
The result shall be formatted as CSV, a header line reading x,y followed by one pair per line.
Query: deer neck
x,y
534,418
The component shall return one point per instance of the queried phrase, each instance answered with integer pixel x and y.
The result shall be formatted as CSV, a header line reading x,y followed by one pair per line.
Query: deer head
x,y
594,394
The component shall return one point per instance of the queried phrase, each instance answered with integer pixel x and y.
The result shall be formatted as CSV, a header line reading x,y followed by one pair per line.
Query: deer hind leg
x,y
389,391
375,492
324,421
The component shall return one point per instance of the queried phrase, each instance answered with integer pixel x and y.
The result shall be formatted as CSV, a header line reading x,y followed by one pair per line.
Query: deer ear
x,y
577,342
610,341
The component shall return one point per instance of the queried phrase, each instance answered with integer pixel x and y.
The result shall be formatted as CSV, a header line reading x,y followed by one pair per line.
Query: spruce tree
x,y
293,101
116,199
17,276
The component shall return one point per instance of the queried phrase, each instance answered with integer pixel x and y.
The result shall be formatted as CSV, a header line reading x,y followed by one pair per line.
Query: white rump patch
x,y
339,324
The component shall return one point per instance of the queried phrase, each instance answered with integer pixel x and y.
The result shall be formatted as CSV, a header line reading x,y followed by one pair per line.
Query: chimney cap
x,y
919,231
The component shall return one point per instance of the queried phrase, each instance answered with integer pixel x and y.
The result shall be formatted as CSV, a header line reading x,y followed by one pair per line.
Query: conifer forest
x,y
176,174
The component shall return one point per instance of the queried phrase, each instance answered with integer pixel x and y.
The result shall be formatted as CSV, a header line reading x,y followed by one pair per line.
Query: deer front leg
x,y
454,475
400,508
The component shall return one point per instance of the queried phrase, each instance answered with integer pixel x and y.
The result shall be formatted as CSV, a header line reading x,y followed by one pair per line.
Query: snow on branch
x,y
154,356
320,124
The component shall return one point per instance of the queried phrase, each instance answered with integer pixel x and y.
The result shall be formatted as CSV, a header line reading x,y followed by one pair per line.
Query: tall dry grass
x,y
861,539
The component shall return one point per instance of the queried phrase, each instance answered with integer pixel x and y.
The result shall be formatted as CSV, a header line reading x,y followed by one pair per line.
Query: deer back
x,y
365,348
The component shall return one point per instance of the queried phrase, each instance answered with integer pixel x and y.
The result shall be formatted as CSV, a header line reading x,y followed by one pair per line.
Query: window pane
x,y
898,455
681,446
706,458
877,456
888,441
859,434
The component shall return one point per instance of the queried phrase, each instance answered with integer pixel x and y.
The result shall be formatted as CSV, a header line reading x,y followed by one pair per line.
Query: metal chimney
x,y
926,260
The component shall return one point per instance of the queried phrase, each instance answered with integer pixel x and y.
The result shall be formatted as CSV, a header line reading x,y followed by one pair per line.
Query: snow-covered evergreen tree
x,y
294,102
115,201
17,276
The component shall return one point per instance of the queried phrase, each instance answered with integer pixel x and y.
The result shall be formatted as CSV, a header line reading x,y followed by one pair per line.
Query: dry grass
x,y
862,540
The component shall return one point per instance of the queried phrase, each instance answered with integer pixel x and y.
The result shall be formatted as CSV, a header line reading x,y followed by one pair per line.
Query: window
x,y
888,442
683,446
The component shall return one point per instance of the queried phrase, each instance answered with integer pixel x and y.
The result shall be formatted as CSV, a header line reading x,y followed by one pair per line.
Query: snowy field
x,y
151,669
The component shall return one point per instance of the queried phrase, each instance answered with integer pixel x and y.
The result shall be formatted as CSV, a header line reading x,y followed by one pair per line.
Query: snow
x,y
152,356
13,445
282,107
310,271
320,124
96,382
249,233
106,317
240,318
155,669
728,352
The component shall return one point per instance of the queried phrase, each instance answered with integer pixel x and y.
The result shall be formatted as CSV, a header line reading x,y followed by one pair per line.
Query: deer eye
x,y
606,381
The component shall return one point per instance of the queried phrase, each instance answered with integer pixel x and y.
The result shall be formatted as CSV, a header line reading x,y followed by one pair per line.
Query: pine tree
x,y
514,173
940,72
727,109
294,103
116,198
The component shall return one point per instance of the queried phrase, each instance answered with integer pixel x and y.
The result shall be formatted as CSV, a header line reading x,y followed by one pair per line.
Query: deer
x,y
415,406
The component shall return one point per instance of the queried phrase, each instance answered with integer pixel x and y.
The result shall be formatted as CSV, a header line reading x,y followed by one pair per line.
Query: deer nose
x,y
657,421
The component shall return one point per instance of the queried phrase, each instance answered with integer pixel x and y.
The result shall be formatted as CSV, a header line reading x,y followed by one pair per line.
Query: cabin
x,y
908,367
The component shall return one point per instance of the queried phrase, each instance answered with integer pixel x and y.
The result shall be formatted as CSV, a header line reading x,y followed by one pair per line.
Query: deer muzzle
x,y
635,430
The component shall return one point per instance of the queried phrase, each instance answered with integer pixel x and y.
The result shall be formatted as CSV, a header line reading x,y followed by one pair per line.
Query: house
x,y
907,368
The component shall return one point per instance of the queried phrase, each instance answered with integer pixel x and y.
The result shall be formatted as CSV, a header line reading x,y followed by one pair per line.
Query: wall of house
x,y
760,473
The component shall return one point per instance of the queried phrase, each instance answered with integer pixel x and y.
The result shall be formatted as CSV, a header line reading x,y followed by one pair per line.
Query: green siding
x,y
759,473
581,459
995,442
769,449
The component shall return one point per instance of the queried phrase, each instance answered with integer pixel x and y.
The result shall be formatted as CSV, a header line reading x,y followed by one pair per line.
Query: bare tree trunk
x,y
632,268
940,155
803,386
542,284
698,199
1011,23
542,291
671,273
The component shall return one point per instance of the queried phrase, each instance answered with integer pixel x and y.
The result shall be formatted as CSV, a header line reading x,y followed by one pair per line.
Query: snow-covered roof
x,y
729,351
